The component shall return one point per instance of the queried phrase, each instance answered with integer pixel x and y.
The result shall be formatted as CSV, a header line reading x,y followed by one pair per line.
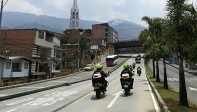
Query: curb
x,y
25,84
160,101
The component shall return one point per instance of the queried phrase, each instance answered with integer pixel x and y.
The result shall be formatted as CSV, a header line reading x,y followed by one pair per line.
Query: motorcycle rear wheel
x,y
98,94
127,90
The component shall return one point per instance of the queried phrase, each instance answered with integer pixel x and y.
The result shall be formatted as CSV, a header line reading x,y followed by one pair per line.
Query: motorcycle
x,y
133,65
99,87
125,82
139,71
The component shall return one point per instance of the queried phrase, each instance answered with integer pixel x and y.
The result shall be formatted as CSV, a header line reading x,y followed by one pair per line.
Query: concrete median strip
x,y
160,101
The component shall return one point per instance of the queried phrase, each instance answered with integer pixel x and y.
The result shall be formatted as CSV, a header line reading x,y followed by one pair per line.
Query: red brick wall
x,y
98,31
18,41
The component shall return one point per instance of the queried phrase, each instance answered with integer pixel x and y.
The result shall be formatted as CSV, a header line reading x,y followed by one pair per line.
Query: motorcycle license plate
x,y
96,87
126,86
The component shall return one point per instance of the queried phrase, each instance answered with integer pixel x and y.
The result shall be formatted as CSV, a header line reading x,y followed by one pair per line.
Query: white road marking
x,y
44,101
32,87
169,79
175,79
58,81
193,89
35,101
61,93
11,110
20,101
114,100
193,79
74,77
153,97
57,93
3,95
53,101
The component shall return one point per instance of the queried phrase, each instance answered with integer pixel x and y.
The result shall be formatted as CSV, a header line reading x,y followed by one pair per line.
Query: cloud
x,y
22,6
60,4
102,10
153,3
107,15
112,3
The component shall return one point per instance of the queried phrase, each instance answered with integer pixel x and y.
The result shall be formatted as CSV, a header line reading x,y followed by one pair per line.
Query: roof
x,y
50,32
21,57
111,56
3,57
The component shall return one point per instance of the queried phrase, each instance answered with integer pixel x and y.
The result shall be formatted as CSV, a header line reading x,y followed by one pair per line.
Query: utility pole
x,y
1,13
78,50
1,16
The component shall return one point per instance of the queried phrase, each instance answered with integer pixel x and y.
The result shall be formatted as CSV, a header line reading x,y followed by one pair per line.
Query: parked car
x,y
88,67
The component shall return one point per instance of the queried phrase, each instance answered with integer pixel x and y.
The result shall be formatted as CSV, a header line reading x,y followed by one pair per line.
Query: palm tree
x,y
182,31
153,34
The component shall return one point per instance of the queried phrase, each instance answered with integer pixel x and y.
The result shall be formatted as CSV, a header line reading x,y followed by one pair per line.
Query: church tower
x,y
74,17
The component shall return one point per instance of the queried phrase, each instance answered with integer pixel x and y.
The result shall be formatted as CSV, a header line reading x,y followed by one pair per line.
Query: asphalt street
x,y
173,80
81,95
140,99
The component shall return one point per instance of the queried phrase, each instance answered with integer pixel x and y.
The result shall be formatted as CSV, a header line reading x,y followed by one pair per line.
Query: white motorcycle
x,y
125,82
99,88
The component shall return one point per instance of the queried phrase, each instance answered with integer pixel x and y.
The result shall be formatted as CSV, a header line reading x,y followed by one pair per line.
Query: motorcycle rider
x,y
139,70
133,65
99,68
127,70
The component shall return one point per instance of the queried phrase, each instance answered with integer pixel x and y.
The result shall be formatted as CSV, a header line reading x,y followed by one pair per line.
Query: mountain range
x,y
16,20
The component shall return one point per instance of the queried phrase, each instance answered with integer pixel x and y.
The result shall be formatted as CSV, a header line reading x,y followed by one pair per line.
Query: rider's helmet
x,y
99,66
126,66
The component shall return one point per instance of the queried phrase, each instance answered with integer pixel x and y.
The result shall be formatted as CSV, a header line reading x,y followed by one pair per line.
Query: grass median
x,y
170,97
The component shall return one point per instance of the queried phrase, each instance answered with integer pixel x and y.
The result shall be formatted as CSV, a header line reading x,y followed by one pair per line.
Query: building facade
x,y
103,36
40,45
77,45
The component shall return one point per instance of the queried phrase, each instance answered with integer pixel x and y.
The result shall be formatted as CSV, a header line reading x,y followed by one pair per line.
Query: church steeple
x,y
74,18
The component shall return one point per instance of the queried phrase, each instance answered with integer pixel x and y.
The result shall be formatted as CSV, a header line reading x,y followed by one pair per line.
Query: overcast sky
x,y
96,10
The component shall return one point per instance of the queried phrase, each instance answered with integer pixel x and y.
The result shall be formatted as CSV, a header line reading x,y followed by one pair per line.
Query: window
x,y
8,65
41,34
26,65
16,67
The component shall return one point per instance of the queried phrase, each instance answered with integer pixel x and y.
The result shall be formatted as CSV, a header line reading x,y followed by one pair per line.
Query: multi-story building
x,y
40,45
76,40
103,36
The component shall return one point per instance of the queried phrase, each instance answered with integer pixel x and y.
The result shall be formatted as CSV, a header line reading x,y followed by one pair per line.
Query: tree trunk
x,y
154,68
182,86
157,70
165,86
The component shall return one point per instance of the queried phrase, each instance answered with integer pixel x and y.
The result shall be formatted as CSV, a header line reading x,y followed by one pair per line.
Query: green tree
x,y
151,38
182,31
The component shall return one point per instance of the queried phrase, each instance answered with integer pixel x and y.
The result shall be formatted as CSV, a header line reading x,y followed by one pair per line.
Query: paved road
x,y
81,95
28,89
139,100
173,81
